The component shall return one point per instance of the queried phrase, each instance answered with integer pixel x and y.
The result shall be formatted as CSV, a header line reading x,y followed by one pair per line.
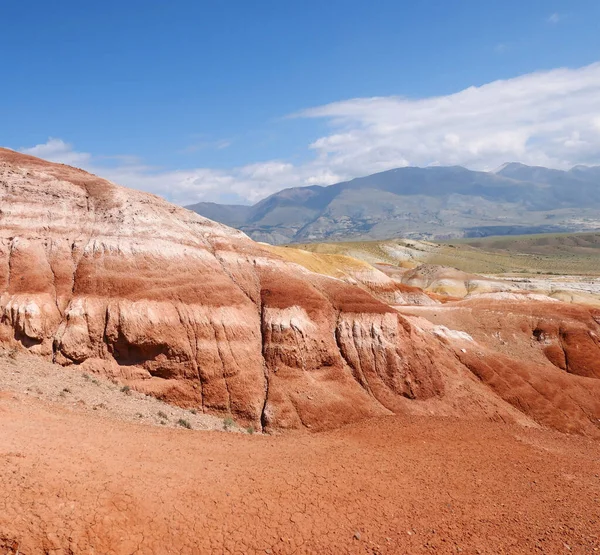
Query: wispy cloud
x,y
549,118
553,18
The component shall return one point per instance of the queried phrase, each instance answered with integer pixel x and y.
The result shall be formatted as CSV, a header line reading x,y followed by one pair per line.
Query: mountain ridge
x,y
436,202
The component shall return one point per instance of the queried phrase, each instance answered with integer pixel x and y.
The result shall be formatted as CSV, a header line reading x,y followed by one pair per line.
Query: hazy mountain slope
x,y
434,202
576,187
235,214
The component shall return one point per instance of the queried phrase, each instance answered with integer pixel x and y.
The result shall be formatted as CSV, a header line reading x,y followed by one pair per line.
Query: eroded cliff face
x,y
542,357
124,283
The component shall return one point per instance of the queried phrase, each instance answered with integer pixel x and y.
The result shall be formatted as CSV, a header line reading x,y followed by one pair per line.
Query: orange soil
x,y
74,483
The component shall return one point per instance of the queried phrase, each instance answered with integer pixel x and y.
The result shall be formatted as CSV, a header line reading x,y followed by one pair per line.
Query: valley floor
x,y
74,482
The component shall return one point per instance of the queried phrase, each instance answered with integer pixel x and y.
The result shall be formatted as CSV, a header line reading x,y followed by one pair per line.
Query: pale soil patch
x,y
581,284
28,375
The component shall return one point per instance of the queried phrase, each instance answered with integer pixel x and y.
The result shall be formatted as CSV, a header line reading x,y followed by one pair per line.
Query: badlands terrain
x,y
560,266
168,385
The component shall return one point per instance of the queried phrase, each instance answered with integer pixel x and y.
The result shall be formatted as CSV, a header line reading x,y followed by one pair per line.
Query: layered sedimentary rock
x,y
125,284
543,357
356,272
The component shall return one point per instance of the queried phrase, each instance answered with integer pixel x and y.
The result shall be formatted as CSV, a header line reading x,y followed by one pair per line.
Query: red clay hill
x,y
125,284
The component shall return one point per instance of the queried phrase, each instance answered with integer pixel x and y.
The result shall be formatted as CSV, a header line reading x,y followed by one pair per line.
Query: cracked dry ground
x,y
71,482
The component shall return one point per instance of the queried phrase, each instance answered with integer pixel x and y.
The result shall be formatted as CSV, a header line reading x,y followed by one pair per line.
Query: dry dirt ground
x,y
69,387
75,482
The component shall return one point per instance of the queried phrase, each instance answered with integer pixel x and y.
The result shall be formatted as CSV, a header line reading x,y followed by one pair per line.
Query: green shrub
x,y
184,424
228,422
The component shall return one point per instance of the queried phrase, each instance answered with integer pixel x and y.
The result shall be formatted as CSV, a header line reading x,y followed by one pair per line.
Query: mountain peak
x,y
509,166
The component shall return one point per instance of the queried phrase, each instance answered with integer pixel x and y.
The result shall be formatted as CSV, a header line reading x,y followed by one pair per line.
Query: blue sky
x,y
191,99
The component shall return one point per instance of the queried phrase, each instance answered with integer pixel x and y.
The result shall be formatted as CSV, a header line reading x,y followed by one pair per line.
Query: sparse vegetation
x,y
250,430
551,253
126,389
228,423
51,382
184,424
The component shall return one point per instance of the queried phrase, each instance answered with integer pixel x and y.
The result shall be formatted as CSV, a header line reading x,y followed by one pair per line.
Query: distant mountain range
x,y
423,203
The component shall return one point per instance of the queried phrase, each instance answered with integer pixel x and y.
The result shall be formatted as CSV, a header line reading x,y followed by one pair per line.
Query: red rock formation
x,y
123,283
542,357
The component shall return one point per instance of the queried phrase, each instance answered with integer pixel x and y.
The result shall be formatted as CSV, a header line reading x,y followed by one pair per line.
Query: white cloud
x,y
248,183
553,18
56,150
518,119
547,118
